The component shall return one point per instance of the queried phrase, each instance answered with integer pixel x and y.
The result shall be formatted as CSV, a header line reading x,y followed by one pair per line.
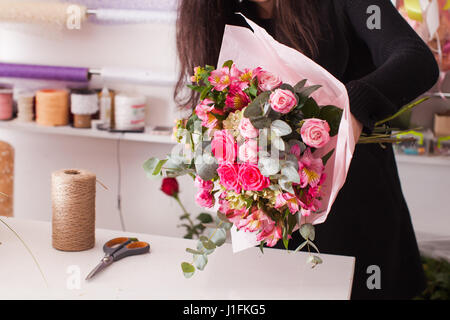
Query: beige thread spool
x,y
6,179
52,107
73,204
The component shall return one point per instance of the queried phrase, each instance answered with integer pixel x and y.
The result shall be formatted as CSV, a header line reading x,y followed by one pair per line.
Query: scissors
x,y
117,249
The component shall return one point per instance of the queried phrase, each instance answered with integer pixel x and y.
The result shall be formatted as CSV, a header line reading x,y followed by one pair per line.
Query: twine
x,y
73,204
25,105
129,112
52,107
6,179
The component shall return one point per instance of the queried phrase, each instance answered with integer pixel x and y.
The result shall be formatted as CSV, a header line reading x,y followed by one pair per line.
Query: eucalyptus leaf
x,y
200,261
188,269
205,218
192,251
269,166
201,248
291,174
300,247
281,128
206,166
307,91
219,237
261,122
209,245
307,231
300,85
278,143
150,166
286,185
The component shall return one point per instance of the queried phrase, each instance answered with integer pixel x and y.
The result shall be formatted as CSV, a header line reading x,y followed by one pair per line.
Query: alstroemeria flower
x,y
236,99
270,234
255,221
287,199
310,169
220,78
204,112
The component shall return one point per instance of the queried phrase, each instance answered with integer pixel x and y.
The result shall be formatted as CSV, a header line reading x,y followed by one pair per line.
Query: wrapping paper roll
x,y
27,71
73,204
6,179
129,112
52,107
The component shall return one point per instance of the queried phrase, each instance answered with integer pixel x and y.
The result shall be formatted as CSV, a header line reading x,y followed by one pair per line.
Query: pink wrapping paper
x,y
258,49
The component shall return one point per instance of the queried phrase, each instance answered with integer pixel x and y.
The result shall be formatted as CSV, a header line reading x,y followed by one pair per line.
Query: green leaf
x,y
305,92
327,157
292,222
333,116
200,247
150,165
300,85
261,246
158,167
285,239
278,142
206,166
300,247
255,109
228,63
205,92
281,128
192,251
209,245
200,261
261,122
205,218
286,185
311,109
219,237
308,232
188,269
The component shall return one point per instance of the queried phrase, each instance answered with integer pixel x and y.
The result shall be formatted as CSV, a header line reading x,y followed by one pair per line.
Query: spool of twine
x,y
6,179
25,105
52,107
84,103
6,104
73,204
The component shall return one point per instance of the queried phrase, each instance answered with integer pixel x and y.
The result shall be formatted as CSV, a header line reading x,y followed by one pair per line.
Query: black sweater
x,y
383,69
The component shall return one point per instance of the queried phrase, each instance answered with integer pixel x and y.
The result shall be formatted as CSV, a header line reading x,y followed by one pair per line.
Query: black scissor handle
x,y
131,249
115,245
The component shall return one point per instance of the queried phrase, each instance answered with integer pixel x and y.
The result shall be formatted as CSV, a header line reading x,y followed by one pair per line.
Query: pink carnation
x,y
248,151
205,199
282,101
228,174
251,178
203,185
247,130
315,133
224,146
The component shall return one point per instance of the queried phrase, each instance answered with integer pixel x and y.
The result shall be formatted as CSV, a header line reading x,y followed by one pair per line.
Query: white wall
x,y
145,208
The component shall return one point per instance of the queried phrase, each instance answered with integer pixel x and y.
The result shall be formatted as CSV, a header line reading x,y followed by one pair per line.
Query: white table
x,y
246,275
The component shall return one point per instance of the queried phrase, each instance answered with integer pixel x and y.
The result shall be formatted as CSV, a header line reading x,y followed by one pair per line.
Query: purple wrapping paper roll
x,y
26,71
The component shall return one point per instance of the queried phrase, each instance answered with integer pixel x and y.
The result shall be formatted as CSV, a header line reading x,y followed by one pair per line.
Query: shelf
x,y
423,160
88,133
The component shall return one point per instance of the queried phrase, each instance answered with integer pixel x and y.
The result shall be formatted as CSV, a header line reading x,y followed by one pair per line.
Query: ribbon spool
x,y
129,112
6,104
52,107
25,105
6,179
84,103
73,204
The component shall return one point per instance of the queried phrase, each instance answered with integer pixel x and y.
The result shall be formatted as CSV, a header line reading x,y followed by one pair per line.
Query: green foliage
x,y
437,273
332,115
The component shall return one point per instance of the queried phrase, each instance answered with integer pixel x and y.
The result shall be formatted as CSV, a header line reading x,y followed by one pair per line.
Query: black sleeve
x,y
405,66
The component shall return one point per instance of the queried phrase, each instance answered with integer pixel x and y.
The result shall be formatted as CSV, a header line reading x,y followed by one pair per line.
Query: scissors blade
x,y
106,261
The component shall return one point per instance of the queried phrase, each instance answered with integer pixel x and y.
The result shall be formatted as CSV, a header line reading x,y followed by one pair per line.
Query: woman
x,y
383,68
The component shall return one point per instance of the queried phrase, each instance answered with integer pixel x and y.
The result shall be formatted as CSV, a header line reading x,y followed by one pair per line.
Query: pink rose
x,y
203,185
247,130
251,178
205,199
268,81
248,151
282,101
224,146
228,174
315,133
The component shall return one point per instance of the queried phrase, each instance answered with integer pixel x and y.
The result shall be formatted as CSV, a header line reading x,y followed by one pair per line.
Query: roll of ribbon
x,y
129,112
6,104
27,71
6,179
84,101
52,107
73,204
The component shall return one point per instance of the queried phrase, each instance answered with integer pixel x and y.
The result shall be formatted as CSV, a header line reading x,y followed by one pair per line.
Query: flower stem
x,y
186,214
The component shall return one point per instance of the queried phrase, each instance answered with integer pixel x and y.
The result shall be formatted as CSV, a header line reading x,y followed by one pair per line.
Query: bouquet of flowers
x,y
269,145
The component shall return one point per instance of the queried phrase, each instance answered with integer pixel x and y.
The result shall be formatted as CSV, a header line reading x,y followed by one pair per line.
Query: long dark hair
x,y
201,24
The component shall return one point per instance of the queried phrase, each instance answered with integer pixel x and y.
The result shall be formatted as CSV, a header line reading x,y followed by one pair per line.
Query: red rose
x,y
170,187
